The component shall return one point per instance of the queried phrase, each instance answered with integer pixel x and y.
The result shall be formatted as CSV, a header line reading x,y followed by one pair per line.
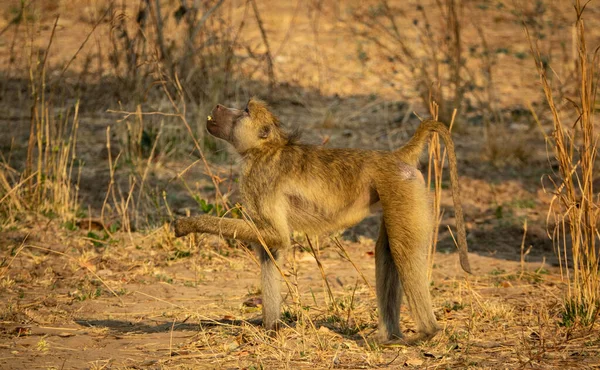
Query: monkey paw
x,y
179,226
408,341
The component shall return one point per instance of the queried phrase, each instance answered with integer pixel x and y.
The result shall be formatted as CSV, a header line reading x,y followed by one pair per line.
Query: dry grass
x,y
574,207
434,179
49,182
194,310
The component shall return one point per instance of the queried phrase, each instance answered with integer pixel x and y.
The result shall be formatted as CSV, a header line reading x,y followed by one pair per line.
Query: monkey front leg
x,y
270,285
241,229
230,228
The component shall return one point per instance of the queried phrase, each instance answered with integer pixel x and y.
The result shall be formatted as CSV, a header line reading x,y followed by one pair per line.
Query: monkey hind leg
x,y
389,290
409,225
412,269
270,286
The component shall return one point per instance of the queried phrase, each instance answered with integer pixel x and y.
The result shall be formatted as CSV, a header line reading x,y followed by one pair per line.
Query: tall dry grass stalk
x,y
574,210
434,178
50,182
52,187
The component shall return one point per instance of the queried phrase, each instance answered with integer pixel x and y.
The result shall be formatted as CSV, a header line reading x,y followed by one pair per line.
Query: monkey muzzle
x,y
214,120
220,121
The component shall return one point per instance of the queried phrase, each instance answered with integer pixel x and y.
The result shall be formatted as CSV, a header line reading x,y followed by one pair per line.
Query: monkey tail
x,y
411,152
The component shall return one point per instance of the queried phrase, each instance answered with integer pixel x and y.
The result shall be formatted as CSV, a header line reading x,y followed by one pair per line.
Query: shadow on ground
x,y
128,327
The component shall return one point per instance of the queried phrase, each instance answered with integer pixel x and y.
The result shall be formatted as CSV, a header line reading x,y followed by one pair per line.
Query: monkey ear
x,y
259,111
264,132
255,102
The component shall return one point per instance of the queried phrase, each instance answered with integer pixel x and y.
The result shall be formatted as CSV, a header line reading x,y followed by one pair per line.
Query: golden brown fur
x,y
289,186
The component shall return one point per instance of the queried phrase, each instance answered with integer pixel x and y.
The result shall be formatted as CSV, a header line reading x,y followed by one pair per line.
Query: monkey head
x,y
253,127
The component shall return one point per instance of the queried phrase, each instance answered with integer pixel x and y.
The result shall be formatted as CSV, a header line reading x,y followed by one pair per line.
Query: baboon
x,y
289,186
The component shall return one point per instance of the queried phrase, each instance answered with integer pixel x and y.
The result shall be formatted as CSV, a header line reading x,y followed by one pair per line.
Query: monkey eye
x,y
247,110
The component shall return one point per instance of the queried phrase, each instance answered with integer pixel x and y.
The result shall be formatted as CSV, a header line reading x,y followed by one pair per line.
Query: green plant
x,y
164,278
99,240
578,312
180,253
453,306
88,294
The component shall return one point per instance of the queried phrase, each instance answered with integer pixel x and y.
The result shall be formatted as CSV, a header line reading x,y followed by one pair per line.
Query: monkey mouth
x,y
214,127
220,121
212,121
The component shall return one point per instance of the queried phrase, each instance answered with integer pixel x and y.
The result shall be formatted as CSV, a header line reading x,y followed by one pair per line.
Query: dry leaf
x,y
432,355
413,362
324,329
